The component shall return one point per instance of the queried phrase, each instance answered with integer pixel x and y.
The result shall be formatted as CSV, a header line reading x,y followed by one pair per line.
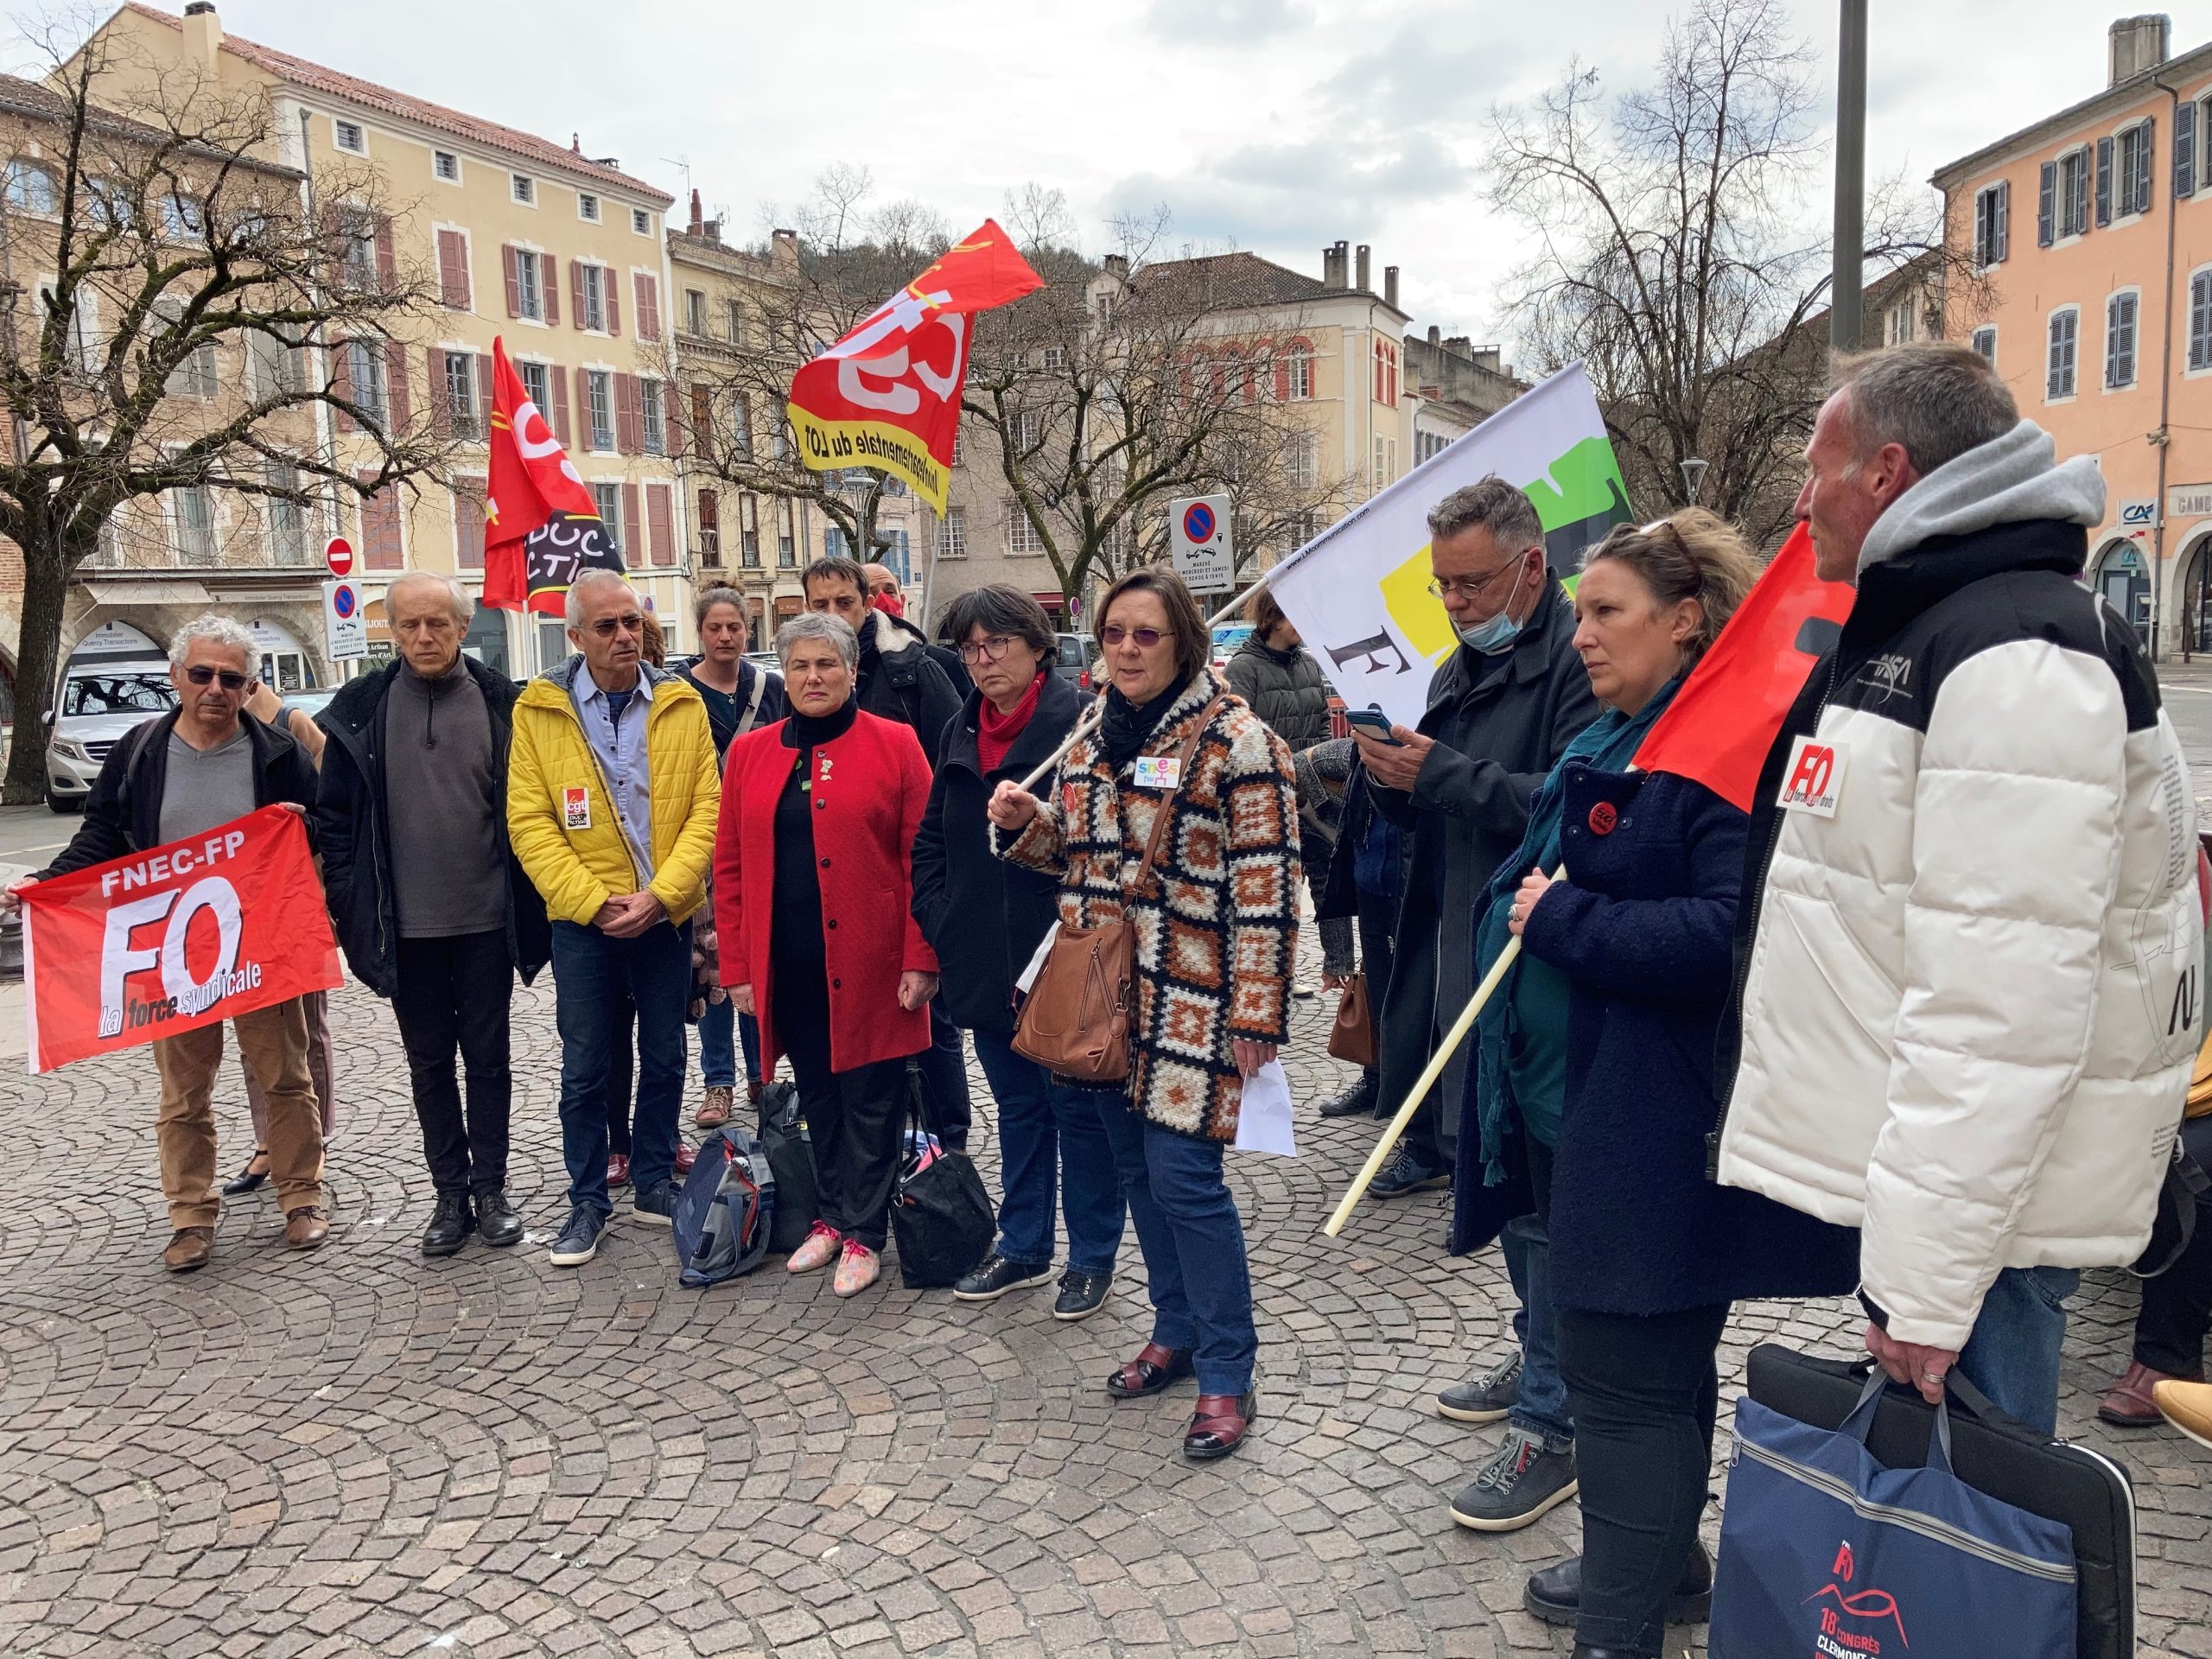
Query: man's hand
x,y
915,989
1012,806
1911,1364
1393,766
294,808
740,998
11,896
1251,1056
634,912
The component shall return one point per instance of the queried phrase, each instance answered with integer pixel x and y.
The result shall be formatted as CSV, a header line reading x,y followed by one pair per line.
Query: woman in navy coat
x,y
1647,1254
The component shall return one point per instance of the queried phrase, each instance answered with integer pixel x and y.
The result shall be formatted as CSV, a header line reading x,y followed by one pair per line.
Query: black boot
x,y
1555,1595
1359,1097
449,1224
496,1219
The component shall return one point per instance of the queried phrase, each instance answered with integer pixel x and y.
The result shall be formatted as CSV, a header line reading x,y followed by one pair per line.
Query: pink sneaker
x,y
815,1251
857,1269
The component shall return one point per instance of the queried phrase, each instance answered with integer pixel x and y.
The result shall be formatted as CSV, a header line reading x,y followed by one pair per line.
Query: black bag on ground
x,y
724,1211
791,1157
941,1213
1994,1454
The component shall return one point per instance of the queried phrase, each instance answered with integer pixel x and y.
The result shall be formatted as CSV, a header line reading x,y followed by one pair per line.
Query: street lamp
x,y
1693,476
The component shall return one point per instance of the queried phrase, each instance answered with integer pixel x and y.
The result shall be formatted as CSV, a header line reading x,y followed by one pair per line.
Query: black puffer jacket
x,y
1285,688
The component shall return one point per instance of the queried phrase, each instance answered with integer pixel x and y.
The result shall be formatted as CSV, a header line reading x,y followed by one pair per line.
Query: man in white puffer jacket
x,y
1970,947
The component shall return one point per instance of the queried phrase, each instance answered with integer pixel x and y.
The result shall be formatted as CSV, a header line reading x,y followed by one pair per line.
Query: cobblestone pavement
x,y
359,1451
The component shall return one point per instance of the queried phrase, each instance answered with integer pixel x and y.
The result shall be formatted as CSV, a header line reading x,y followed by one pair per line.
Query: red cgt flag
x,y
888,395
541,525
1724,719
179,936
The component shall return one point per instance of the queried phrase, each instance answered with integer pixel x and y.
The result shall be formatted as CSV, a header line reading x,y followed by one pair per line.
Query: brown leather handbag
x,y
1352,1038
1076,1019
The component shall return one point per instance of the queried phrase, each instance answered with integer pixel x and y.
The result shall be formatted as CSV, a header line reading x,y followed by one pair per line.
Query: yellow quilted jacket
x,y
578,870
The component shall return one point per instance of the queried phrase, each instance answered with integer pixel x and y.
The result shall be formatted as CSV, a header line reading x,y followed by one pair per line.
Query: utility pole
x,y
1846,286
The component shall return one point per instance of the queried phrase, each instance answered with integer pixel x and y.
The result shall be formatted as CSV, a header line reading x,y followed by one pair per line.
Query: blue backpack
x,y
724,1213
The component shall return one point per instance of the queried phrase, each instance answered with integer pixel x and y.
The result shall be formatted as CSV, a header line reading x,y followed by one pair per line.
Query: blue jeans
x,y
590,971
2011,1354
718,1045
1051,1137
1193,1245
1541,1408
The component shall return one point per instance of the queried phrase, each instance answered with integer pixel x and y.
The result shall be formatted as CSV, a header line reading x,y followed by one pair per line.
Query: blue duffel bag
x,y
1825,1552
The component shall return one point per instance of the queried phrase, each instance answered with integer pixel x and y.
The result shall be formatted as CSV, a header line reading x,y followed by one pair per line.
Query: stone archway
x,y
2193,591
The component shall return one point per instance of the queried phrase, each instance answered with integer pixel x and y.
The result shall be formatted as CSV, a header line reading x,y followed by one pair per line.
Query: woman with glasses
x,y
1216,929
812,892
984,917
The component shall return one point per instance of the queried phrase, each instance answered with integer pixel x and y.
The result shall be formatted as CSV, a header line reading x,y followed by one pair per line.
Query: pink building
x,y
2092,232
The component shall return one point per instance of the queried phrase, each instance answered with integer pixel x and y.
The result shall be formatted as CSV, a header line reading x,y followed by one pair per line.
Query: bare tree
x,y
179,259
1673,257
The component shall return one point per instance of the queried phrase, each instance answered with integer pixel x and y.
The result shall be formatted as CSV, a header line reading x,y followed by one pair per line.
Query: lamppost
x,y
1693,476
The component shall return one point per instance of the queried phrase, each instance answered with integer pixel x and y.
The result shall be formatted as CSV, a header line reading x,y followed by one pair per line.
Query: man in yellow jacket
x,y
612,798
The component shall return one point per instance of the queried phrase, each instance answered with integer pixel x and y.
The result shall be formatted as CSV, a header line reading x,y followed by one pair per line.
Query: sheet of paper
x,y
1037,962
1263,1120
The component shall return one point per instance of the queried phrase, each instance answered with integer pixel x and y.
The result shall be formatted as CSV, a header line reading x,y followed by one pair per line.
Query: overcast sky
x,y
1276,126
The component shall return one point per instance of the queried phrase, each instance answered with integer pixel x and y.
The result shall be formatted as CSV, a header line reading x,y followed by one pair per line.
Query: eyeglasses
x,y
203,674
607,626
1471,586
1113,633
988,649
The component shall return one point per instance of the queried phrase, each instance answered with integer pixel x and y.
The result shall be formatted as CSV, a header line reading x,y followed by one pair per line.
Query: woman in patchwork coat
x,y
1216,930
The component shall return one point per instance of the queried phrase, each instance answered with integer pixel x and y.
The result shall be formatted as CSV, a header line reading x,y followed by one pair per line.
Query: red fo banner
x,y
177,936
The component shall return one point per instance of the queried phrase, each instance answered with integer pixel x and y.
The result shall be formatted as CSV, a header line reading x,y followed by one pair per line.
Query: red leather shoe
x,y
618,1169
1152,1369
2129,1405
1218,1426
686,1155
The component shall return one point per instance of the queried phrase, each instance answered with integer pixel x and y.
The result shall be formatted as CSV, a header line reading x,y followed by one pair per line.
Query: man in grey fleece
x,y
430,907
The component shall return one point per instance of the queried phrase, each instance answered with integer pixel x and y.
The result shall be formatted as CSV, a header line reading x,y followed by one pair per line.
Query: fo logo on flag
x,y
1813,781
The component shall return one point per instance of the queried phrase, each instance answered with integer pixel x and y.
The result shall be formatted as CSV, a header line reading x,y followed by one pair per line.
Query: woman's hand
x,y
1534,886
1011,807
915,989
1251,1056
1332,981
740,998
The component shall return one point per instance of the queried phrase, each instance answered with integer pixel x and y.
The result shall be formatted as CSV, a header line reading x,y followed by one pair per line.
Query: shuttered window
x,y
381,544
2060,364
648,291
453,289
660,527
468,523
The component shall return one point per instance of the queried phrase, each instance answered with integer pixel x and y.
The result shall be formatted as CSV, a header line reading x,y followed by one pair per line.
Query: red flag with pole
x,y
1724,719
541,525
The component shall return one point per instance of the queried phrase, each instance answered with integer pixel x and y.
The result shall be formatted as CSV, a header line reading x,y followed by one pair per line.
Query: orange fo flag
x,y
888,395
541,525
1724,719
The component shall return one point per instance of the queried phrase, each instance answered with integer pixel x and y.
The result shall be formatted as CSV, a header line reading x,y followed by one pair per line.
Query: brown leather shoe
x,y
188,1250
1217,1427
2130,1405
1152,1369
305,1227
618,1169
715,1111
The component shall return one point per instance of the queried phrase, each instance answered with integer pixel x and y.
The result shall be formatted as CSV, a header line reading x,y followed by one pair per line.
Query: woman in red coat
x,y
813,902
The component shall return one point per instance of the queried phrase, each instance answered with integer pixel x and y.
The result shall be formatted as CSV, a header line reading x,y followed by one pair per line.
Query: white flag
x,y
1358,592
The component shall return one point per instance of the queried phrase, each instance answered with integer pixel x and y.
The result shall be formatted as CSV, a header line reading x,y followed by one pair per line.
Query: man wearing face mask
x,y
1502,710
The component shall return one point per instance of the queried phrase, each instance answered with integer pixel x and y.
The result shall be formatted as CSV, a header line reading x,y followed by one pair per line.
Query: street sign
x,y
339,555
1204,557
345,628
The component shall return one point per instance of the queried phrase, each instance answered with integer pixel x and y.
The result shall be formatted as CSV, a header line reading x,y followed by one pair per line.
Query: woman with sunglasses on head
x,y
984,917
1602,1045
1216,929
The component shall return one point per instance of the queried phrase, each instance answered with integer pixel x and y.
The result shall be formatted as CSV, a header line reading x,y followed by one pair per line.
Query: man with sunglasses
x,y
174,777
613,792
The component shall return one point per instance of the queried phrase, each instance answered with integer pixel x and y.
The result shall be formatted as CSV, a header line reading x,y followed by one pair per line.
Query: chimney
x,y
1435,336
1342,278
712,230
1390,286
1488,358
203,34
2139,45
1362,284
783,250
1117,266
698,225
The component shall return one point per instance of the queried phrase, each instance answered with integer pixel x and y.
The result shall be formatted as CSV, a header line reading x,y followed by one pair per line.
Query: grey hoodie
x,y
2009,481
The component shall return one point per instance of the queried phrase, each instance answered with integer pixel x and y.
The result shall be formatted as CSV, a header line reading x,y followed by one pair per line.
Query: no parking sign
x,y
1204,557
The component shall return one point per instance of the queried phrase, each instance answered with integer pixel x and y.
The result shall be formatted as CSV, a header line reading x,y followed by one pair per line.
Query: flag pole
x,y
1397,1127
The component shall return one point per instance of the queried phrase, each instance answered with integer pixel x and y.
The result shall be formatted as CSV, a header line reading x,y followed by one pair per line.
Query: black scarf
x,y
1128,726
803,731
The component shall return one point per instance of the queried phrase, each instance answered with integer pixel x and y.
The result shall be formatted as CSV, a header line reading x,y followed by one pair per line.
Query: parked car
x,y
1228,638
102,698
1071,662
312,700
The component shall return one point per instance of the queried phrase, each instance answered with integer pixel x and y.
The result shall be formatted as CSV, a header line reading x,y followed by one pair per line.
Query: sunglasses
x,y
1113,633
232,679
607,626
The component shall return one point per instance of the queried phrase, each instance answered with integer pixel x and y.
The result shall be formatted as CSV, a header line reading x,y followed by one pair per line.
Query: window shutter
x,y
2185,149
549,283
480,376
633,530
648,306
453,270
614,304
2143,163
629,425
381,548
2004,221
710,511
659,531
576,292
2104,182
702,421
441,397
671,416
341,382
561,404
514,285
2047,205
387,259
2112,342
395,374
468,524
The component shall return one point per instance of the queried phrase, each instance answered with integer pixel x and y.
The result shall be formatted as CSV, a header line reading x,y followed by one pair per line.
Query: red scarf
x,y
996,732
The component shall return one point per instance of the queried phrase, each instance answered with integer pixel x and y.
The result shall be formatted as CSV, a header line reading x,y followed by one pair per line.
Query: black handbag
x,y
790,1159
941,1214
1993,1453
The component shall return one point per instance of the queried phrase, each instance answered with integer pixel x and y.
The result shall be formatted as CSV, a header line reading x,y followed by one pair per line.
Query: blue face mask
x,y
1499,633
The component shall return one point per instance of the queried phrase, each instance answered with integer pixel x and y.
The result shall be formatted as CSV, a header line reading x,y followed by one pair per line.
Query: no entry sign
x,y
339,555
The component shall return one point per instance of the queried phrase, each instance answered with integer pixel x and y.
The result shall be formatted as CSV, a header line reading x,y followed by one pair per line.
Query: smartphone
x,y
1376,724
